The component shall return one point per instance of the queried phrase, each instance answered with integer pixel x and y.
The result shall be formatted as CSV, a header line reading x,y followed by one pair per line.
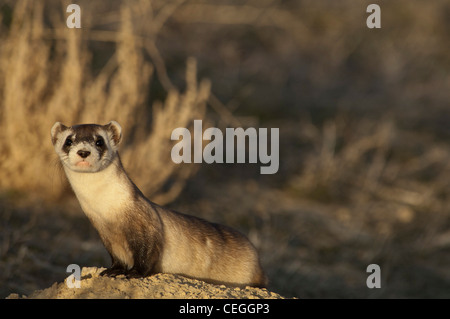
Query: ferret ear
x,y
115,130
57,128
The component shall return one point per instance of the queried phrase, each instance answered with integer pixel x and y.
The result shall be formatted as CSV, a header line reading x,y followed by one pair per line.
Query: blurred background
x,y
364,133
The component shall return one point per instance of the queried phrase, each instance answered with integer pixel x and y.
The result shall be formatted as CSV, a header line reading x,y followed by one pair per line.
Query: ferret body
x,y
142,237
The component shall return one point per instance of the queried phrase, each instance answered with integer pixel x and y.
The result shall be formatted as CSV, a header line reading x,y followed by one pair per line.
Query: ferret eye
x,y
68,142
100,141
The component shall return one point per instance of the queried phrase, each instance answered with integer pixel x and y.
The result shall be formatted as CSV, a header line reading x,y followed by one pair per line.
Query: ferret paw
x,y
133,273
113,272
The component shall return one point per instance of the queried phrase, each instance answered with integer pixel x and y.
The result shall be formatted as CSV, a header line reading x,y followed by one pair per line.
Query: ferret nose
x,y
83,154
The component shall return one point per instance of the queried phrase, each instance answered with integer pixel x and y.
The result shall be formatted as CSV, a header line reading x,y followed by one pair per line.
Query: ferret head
x,y
87,147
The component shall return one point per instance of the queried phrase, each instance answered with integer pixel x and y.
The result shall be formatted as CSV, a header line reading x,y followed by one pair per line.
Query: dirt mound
x,y
157,286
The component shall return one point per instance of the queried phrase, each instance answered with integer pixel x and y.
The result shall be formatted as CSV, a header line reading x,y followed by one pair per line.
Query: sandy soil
x,y
165,286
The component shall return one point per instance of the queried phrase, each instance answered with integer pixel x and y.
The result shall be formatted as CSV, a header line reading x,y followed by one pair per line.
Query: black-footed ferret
x,y
142,237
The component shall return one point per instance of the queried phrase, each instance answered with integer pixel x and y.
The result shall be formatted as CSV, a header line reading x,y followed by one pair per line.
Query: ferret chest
x,y
102,194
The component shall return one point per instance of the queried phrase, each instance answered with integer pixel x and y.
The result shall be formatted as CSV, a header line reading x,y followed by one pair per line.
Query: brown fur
x,y
144,238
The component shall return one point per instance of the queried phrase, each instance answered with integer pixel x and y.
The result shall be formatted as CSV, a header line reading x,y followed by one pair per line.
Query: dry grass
x,y
46,77
364,159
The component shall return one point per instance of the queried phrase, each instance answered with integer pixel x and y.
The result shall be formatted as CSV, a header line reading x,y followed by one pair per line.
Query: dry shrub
x,y
373,163
45,76
347,160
